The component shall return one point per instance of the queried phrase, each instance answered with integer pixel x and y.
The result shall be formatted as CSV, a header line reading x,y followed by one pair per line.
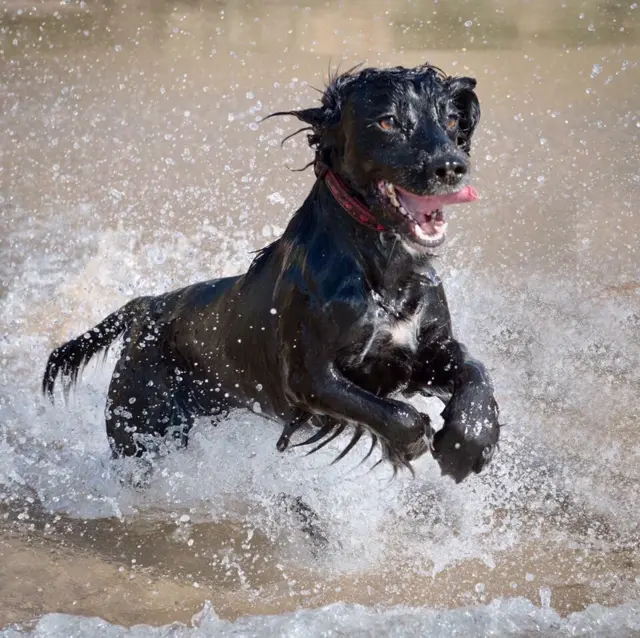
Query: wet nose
x,y
448,170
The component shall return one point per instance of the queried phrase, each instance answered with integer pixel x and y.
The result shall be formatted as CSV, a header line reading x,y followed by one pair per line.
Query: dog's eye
x,y
452,122
387,123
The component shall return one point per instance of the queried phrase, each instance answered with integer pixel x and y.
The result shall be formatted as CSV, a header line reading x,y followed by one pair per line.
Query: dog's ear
x,y
466,102
323,121
315,117
319,120
321,137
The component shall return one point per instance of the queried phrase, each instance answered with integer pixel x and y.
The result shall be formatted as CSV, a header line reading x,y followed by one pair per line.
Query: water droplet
x,y
276,198
545,597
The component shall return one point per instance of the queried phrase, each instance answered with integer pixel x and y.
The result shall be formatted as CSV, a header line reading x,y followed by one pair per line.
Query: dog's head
x,y
400,139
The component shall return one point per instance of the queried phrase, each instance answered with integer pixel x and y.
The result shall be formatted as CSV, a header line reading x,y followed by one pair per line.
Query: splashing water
x,y
107,199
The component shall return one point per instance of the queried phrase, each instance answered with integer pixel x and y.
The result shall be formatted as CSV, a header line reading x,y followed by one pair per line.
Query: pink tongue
x,y
430,203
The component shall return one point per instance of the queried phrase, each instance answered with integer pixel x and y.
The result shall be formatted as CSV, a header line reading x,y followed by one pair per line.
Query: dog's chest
x,y
404,332
384,347
393,331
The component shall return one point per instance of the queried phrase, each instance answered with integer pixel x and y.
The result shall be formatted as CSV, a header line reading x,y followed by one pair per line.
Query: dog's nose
x,y
448,170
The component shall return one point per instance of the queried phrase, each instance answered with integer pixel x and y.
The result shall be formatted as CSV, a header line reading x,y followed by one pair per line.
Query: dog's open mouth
x,y
424,212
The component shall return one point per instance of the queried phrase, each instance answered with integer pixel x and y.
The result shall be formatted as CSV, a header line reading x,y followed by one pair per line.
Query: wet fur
x,y
334,324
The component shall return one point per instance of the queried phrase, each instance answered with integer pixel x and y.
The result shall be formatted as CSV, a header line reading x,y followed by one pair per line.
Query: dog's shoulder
x,y
322,276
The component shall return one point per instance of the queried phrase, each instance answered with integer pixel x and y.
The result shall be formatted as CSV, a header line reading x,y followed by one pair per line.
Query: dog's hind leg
x,y
145,402
182,418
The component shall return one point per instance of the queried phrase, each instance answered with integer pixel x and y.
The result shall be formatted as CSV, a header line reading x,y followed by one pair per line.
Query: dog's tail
x,y
70,358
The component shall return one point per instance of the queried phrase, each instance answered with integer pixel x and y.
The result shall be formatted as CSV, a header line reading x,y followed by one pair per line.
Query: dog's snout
x,y
447,170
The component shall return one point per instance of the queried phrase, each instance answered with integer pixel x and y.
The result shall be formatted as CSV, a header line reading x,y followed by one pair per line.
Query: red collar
x,y
351,205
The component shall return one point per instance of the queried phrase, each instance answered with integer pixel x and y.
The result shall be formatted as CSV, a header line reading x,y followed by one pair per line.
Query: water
x,y
133,162
504,618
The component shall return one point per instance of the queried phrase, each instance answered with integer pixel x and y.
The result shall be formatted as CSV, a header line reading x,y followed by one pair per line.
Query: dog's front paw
x,y
401,453
423,444
467,441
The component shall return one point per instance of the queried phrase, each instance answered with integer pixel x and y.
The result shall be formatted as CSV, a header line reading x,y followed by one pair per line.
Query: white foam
x,y
506,618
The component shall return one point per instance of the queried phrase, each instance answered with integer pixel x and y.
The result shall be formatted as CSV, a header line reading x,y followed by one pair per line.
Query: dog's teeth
x,y
394,201
403,211
391,191
420,233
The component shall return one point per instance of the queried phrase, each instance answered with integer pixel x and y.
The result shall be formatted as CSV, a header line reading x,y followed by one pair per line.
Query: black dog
x,y
339,318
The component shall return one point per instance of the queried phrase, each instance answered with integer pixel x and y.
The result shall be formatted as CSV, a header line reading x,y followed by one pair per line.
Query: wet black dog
x,y
343,316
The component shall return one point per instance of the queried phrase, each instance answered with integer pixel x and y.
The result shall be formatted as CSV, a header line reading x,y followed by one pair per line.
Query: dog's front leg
x,y
471,430
320,388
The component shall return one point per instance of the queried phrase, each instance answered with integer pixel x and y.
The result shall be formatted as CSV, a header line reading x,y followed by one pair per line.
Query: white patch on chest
x,y
405,332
